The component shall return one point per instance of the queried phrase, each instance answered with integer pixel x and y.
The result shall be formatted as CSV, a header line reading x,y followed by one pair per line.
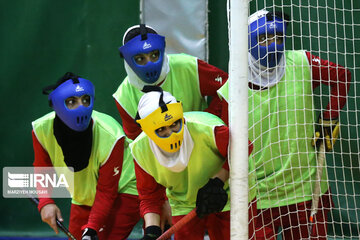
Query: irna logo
x,y
41,182
16,180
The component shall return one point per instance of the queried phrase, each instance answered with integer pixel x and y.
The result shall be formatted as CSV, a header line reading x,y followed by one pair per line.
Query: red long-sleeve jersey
x,y
207,74
107,185
338,77
323,72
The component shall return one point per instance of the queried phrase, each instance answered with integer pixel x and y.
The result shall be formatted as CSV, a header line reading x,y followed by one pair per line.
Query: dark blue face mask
x,y
270,55
150,72
77,119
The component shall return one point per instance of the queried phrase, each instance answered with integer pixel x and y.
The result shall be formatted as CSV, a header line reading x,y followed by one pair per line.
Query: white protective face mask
x,y
176,161
262,76
138,83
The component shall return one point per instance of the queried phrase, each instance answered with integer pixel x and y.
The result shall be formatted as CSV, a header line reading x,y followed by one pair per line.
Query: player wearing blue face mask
x,y
94,145
282,126
188,78
145,55
266,38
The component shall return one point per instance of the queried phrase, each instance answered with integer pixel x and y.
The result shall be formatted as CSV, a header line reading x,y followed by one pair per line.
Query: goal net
x,y
303,68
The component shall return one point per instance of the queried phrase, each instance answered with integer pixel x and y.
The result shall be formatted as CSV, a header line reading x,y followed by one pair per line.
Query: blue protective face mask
x,y
270,55
79,118
150,72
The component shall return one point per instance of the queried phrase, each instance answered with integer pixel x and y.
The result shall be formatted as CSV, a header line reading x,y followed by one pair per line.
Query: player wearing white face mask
x,y
282,126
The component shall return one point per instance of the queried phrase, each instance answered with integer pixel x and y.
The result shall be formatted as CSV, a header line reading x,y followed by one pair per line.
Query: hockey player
x,y
94,145
282,126
188,78
184,155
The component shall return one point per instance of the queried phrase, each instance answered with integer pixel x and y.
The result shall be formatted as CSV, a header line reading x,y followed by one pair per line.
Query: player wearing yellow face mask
x,y
184,155
165,126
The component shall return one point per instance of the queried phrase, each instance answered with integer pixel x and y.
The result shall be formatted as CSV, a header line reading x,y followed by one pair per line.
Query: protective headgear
x,y
155,113
264,22
144,43
77,119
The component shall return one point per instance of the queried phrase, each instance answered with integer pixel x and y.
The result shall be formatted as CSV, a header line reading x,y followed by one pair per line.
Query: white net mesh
x,y
317,75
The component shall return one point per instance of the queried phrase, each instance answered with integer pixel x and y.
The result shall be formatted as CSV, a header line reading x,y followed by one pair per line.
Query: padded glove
x,y
328,131
89,234
152,233
211,198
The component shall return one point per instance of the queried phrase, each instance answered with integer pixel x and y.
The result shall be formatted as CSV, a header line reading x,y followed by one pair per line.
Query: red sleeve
x,y
131,129
107,187
211,79
222,143
151,194
250,147
335,76
222,139
225,111
41,159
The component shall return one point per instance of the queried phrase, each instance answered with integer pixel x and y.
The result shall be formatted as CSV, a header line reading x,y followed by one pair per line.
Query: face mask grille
x,y
81,119
177,144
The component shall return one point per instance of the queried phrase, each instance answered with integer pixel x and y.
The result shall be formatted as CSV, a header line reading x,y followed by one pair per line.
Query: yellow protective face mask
x,y
158,119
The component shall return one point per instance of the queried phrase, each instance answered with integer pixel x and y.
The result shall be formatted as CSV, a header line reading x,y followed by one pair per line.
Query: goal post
x,y
238,121
281,124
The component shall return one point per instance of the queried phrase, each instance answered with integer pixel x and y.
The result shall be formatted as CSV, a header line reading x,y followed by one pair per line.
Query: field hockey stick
x,y
178,225
317,188
58,223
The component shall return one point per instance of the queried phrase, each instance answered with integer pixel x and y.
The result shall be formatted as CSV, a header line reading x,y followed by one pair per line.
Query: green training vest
x,y
205,162
223,93
182,82
106,132
281,124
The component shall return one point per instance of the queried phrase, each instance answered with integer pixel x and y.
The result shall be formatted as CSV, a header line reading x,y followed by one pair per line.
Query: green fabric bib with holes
x,y
281,125
205,162
182,82
106,132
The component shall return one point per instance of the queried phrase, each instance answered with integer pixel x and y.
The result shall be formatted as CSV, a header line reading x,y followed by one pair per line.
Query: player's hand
x,y
49,213
211,198
165,219
152,233
327,131
89,234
